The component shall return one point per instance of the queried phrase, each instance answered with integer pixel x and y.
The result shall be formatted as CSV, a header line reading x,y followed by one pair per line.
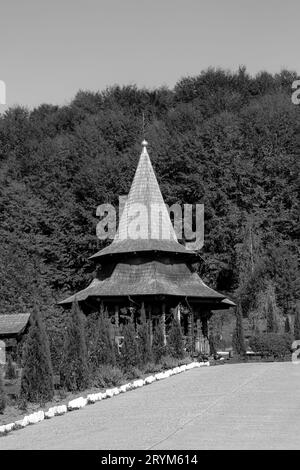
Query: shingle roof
x,y
135,246
149,278
152,277
13,324
145,206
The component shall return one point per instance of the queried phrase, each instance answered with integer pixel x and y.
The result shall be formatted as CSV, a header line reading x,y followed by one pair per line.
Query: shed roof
x,y
13,324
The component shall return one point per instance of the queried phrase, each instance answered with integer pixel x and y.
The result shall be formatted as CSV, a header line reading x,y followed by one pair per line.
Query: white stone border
x,y
81,402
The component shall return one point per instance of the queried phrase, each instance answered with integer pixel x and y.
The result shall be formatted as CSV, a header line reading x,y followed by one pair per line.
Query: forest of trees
x,y
225,139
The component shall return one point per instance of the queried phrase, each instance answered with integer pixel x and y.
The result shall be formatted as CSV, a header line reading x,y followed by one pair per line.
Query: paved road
x,y
239,406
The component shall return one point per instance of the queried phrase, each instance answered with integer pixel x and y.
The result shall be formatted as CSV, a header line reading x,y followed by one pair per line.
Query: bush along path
x,y
81,402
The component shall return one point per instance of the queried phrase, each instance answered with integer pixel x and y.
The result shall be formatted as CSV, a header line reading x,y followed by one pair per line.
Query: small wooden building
x,y
12,328
151,272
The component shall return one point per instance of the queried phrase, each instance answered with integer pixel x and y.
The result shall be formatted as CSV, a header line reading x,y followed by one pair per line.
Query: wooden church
x,y
150,272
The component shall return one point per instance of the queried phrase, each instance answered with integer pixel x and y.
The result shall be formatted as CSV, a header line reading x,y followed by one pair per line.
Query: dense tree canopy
x,y
225,139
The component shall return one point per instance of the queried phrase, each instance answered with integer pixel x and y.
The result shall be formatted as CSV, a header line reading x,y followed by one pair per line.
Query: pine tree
x,y
238,341
271,309
2,394
144,345
130,355
10,372
37,376
75,372
287,327
103,350
175,343
297,323
158,346
212,346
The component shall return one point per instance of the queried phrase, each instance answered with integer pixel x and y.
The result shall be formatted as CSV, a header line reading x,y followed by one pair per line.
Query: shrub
x,y
184,360
56,341
2,394
158,345
37,376
10,372
238,341
275,344
297,323
133,373
108,376
130,357
75,372
168,362
212,345
271,309
287,327
102,350
152,368
175,342
202,357
144,345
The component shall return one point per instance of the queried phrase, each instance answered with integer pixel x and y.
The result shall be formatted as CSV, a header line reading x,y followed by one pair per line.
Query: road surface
x,y
238,406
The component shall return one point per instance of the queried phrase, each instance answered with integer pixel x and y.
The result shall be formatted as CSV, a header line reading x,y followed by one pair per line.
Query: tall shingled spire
x,y
148,262
145,209
145,223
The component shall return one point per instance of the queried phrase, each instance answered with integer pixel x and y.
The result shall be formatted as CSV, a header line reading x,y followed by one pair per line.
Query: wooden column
x,y
205,326
198,335
205,333
163,319
176,313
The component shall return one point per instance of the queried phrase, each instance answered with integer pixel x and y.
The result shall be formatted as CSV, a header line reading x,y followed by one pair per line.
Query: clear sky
x,y
49,49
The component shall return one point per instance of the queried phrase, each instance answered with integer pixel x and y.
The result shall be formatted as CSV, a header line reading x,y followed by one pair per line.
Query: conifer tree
x,y
238,341
10,372
271,309
130,347
212,346
75,372
2,393
37,376
103,350
175,343
144,345
297,323
158,346
287,327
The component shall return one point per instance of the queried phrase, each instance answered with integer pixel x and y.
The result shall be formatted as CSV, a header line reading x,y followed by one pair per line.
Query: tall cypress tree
x,y
238,341
75,372
175,343
103,351
2,393
130,354
287,327
271,309
144,345
37,376
297,323
158,346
